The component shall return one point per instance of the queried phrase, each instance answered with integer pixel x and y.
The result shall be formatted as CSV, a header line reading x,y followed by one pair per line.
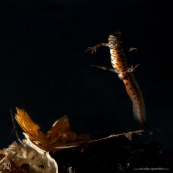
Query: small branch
x,y
128,135
14,127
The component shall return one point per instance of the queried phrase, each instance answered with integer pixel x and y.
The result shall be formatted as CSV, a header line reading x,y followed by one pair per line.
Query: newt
x,y
118,55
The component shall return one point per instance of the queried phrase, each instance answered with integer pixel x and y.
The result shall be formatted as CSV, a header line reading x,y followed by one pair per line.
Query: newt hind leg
x,y
131,69
106,68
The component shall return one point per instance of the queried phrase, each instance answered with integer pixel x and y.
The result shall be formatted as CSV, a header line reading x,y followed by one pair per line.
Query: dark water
x,y
45,70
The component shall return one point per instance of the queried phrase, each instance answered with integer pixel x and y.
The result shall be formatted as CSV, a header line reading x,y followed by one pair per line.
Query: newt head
x,y
115,39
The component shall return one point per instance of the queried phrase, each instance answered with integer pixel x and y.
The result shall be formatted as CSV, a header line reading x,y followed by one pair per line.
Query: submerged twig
x,y
14,127
128,135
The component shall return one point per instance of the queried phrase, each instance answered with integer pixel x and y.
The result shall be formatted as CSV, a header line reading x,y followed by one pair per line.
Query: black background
x,y
45,70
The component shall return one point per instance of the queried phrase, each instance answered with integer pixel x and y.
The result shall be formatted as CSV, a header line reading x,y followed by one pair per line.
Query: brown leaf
x,y
24,158
8,166
29,127
60,135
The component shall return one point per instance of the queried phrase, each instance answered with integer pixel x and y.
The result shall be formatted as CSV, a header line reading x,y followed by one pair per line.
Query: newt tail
x,y
119,54
136,97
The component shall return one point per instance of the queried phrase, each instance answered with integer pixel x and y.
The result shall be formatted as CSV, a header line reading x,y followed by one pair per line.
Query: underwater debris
x,y
59,136
23,158
115,153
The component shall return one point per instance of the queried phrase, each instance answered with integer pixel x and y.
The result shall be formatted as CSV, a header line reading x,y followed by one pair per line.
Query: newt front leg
x,y
94,48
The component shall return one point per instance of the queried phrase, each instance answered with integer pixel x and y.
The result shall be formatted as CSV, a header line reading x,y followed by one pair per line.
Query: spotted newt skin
x,y
119,53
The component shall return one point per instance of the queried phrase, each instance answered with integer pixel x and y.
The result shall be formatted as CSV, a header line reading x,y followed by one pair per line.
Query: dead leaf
x,y
23,158
60,135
